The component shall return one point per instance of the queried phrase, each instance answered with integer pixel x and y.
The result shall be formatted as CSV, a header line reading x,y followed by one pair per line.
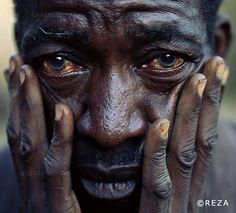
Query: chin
x,y
115,190
107,180
108,197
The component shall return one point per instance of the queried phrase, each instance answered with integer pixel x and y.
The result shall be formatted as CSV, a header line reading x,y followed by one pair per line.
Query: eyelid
x,y
69,57
153,55
66,56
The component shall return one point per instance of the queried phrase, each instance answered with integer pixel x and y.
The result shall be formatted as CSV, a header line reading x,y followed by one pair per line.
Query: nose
x,y
112,115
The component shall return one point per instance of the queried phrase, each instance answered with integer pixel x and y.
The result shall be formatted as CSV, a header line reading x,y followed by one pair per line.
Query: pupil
x,y
57,62
167,60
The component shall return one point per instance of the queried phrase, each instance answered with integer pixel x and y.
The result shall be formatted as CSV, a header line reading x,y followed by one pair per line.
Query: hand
x,y
174,178
43,168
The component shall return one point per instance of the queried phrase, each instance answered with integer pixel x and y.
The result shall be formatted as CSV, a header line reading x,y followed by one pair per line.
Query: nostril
x,y
110,129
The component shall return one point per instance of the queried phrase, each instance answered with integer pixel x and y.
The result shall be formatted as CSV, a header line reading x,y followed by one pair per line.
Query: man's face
x,y
119,65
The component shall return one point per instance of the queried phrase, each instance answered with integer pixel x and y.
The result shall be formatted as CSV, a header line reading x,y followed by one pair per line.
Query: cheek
x,y
162,105
72,93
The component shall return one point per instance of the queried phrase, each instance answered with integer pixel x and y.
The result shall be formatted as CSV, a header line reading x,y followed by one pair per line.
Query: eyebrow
x,y
64,35
163,32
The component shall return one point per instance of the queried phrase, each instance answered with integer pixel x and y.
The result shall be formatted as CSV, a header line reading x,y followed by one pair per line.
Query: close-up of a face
x,y
120,66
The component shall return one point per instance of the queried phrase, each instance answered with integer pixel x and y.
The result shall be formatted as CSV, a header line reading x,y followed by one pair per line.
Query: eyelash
x,y
38,62
156,54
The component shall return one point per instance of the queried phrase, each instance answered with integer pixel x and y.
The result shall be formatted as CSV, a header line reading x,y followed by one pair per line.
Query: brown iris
x,y
165,61
59,65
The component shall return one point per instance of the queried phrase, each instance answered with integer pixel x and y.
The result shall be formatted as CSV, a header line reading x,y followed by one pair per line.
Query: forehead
x,y
115,8
115,4
138,20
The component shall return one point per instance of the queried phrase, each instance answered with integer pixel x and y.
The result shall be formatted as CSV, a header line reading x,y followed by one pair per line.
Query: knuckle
x,y
213,96
51,165
11,131
158,185
26,146
186,156
208,141
56,140
162,188
156,157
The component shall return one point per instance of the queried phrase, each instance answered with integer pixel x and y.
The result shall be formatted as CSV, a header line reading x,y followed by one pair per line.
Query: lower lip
x,y
109,191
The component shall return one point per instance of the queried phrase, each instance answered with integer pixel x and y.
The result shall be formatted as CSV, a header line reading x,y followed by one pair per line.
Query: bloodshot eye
x,y
59,65
165,61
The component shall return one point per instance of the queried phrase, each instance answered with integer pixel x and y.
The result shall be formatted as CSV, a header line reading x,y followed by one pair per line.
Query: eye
x,y
165,61
60,65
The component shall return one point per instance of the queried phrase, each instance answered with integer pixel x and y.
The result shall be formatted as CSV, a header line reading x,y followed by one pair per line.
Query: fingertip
x,y
201,86
65,114
12,65
27,69
66,110
195,79
225,76
164,128
215,61
161,128
58,112
22,77
220,70
197,83
15,62
212,65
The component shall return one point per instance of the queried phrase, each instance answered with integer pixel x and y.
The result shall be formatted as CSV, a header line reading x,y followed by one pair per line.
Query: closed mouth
x,y
110,184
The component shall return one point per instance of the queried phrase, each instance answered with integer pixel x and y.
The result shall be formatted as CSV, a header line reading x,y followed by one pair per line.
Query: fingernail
x,y
58,112
225,77
220,71
201,86
164,127
12,65
22,76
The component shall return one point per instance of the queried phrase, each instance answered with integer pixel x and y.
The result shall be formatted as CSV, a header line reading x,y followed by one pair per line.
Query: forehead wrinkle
x,y
162,33
116,6
62,33
152,5
151,25
69,5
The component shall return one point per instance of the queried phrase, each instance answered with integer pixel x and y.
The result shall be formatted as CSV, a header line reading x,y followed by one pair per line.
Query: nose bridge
x,y
116,102
112,116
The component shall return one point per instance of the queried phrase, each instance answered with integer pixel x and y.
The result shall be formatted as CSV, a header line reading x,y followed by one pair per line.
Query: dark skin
x,y
133,130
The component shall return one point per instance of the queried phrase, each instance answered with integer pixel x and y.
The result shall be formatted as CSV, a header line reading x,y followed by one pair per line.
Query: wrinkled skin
x,y
124,137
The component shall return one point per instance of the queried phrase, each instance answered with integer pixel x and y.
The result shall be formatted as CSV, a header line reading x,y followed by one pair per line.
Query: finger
x,y
182,153
12,75
57,161
33,129
13,123
224,81
34,142
13,126
156,184
217,74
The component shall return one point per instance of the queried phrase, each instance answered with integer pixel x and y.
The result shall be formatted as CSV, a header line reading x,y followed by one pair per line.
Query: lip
x,y
109,190
109,183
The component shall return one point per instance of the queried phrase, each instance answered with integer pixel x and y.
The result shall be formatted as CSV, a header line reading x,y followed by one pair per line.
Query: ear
x,y
223,35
